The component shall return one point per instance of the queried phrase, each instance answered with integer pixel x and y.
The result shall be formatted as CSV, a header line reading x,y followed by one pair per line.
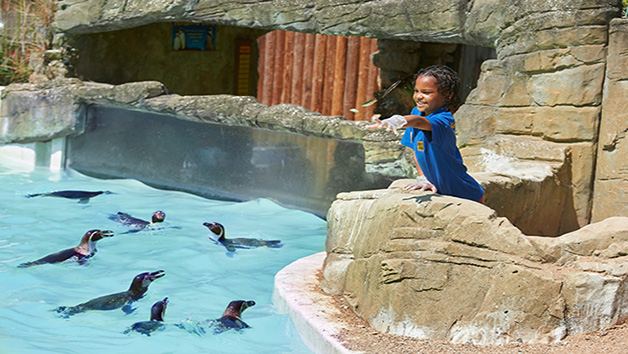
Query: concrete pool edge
x,y
312,312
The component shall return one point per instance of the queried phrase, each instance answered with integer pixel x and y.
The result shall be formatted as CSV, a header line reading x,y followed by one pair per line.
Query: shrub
x,y
25,33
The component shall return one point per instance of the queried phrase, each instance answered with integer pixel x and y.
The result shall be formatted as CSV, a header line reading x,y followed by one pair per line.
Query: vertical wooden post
x,y
353,51
317,78
340,63
269,64
328,75
308,70
261,45
297,69
373,82
288,53
363,76
278,67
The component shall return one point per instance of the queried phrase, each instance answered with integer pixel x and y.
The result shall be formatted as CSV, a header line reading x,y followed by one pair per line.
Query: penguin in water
x,y
123,300
157,313
82,196
136,224
231,319
80,253
218,236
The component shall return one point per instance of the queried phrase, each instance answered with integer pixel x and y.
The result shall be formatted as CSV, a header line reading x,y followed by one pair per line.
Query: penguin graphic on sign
x,y
179,40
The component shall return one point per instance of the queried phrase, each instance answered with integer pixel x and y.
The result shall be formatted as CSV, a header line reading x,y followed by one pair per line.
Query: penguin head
x,y
158,311
158,216
216,229
235,308
142,281
95,235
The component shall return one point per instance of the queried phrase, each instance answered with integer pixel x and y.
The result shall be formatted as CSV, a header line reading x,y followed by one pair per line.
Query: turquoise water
x,y
201,277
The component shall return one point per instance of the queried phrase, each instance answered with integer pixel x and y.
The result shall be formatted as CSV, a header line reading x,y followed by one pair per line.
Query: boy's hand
x,y
421,184
392,123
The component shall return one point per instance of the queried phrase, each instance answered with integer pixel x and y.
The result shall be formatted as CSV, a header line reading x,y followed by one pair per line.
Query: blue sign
x,y
193,36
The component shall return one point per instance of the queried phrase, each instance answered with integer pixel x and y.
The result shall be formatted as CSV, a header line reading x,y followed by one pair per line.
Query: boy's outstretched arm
x,y
398,121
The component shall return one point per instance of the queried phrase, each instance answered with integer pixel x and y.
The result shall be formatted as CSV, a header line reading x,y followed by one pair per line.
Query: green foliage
x,y
13,62
24,35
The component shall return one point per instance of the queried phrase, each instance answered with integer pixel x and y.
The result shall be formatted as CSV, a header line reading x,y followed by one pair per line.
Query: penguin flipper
x,y
67,311
273,243
30,264
128,309
83,200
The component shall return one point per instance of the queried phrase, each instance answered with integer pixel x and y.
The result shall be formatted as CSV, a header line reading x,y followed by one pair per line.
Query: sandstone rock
x,y
396,257
578,86
611,165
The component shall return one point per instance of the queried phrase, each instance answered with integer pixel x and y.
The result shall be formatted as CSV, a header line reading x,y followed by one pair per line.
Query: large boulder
x,y
54,109
433,266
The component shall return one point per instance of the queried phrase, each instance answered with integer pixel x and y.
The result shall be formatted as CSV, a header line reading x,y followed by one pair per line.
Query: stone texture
x,y
28,114
53,109
396,257
612,162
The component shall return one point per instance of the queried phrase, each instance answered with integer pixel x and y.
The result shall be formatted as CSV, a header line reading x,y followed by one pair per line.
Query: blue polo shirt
x,y
439,158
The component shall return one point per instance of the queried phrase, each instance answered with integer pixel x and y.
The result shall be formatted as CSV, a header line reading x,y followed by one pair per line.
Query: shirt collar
x,y
440,110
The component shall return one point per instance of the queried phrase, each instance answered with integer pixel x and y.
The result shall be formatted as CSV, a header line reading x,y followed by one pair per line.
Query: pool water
x,y
201,276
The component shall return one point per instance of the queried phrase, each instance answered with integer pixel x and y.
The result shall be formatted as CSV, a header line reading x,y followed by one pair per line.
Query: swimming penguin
x,y
232,317
82,196
123,300
157,313
136,224
218,236
80,253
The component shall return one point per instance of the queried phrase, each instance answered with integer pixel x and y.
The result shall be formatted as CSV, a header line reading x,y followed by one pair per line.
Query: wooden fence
x,y
326,74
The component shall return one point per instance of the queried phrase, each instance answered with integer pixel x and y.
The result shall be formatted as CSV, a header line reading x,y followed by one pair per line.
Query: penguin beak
x,y
248,304
100,234
156,275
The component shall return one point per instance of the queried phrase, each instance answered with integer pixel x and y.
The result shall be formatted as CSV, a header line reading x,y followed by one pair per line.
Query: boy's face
x,y
426,95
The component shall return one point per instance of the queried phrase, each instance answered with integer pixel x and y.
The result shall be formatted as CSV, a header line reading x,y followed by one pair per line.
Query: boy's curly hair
x,y
448,84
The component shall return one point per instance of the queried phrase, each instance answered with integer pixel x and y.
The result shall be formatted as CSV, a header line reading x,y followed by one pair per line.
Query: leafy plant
x,y
24,34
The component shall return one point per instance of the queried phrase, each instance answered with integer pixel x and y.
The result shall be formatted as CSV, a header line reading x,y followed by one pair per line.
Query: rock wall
x,y
611,176
429,266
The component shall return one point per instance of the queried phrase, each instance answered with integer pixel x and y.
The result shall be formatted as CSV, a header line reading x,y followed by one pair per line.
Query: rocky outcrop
x,y
612,162
431,266
53,109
